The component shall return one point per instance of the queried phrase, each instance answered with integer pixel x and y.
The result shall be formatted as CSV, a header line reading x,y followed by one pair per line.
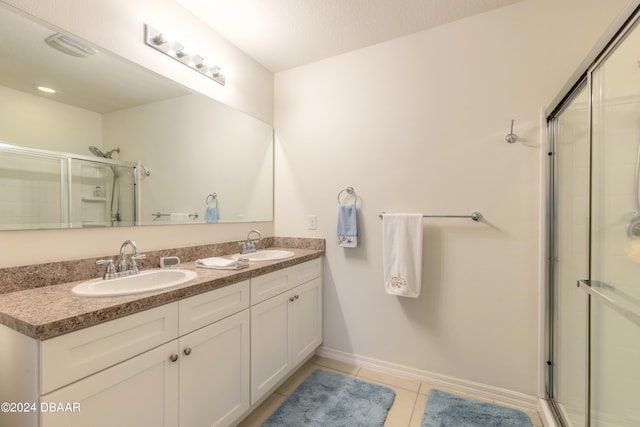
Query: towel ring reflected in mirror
x,y
350,192
213,197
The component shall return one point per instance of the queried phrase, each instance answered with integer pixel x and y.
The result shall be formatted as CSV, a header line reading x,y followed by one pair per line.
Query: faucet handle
x,y
110,273
133,267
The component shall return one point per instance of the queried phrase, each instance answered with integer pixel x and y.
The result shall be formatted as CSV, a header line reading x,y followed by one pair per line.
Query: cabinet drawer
x,y
201,310
271,284
69,357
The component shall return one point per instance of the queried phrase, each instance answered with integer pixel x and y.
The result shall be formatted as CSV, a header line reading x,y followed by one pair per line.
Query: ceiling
x,y
99,82
279,34
283,34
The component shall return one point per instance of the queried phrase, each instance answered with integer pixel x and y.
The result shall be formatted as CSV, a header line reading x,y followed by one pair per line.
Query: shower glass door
x,y
615,237
33,190
570,138
594,366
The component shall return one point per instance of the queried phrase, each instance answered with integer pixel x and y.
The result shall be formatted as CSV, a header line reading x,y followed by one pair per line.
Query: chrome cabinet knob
x,y
173,357
187,351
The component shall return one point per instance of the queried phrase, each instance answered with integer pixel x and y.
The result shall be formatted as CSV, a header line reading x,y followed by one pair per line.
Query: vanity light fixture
x,y
157,40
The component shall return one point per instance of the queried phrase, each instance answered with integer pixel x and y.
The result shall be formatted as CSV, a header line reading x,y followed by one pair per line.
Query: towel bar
x,y
350,192
474,216
213,197
158,215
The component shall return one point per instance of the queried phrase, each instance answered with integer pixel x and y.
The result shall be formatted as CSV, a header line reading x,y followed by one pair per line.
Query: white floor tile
x,y
406,411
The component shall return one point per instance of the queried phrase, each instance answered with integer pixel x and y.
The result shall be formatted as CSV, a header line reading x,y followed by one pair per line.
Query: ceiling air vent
x,y
70,46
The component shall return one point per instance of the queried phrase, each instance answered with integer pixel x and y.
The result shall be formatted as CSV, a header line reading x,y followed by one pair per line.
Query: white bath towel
x,y
402,254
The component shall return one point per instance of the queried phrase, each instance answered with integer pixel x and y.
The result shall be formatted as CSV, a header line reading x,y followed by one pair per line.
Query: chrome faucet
x,y
132,267
123,269
249,245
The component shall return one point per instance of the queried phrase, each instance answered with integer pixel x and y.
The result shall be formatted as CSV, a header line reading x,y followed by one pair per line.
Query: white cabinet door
x,y
142,391
270,344
306,319
214,373
284,330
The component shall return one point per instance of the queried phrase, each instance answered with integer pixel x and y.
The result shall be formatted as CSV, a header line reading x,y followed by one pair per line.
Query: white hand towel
x,y
402,254
220,263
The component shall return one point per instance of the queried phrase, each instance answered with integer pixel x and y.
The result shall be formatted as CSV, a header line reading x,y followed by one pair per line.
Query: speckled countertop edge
x,y
50,311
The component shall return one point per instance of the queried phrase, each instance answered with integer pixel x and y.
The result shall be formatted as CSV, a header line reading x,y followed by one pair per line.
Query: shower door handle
x,y
596,284
625,305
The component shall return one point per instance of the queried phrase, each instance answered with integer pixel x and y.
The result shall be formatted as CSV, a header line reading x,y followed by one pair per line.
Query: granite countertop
x,y
49,311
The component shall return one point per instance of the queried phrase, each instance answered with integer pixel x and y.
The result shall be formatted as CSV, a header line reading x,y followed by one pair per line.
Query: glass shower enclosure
x,y
594,264
43,189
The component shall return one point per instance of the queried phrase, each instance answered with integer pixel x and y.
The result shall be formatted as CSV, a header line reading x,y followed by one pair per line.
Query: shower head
x,y
98,152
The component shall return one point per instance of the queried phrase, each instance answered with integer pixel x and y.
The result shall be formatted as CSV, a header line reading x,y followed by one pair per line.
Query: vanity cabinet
x,y
205,360
199,378
286,323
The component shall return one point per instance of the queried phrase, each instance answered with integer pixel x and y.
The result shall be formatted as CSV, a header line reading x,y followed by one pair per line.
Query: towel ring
x,y
213,197
350,192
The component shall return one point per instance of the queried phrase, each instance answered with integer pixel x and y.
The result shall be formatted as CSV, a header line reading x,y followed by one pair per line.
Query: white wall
x,y
215,149
117,26
37,122
417,124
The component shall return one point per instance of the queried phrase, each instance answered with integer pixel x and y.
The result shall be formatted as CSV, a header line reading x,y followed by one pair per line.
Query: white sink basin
x,y
265,255
145,281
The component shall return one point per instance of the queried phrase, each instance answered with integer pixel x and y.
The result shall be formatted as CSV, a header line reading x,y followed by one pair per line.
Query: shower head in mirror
x,y
98,152
633,227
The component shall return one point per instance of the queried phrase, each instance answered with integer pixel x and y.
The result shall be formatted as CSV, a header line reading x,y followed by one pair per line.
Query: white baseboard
x,y
481,390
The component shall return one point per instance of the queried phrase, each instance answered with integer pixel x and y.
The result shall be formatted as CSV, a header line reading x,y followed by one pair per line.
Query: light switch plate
x,y
313,222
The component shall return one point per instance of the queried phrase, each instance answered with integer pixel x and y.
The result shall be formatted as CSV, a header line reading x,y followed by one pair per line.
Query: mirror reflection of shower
x,y
633,227
114,210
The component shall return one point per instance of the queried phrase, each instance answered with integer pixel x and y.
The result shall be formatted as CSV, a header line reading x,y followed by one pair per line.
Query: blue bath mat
x,y
326,399
447,410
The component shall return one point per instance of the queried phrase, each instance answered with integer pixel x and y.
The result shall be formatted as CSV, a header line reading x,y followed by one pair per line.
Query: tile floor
x,y
407,408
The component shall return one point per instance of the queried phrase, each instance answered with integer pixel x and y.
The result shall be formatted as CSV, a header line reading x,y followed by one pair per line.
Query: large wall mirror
x,y
118,145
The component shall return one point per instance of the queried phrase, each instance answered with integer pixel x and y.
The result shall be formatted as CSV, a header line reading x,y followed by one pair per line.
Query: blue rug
x,y
447,410
326,399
